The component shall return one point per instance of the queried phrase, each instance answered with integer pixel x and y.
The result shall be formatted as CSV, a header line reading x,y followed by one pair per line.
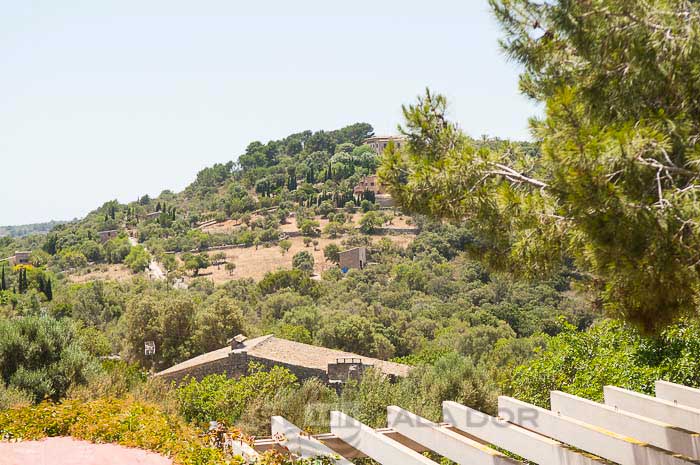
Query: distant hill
x,y
27,229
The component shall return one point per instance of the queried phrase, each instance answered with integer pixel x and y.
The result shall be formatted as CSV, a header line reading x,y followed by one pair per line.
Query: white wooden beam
x,y
520,441
645,429
444,441
301,444
659,409
239,447
587,437
678,394
375,445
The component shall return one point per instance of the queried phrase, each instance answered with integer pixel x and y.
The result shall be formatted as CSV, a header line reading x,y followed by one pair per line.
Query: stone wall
x,y
353,258
390,231
346,369
236,365
302,373
222,365
384,201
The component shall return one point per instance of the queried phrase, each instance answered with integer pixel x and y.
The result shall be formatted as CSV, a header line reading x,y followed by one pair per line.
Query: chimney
x,y
238,342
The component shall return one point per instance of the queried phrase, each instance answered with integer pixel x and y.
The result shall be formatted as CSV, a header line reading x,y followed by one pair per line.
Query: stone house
x,y
372,184
107,235
368,183
19,258
379,143
353,258
304,360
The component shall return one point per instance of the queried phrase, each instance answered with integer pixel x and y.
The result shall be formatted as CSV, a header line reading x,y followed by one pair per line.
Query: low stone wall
x,y
396,231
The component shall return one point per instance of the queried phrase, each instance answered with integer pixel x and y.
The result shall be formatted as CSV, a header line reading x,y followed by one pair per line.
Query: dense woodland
x,y
568,262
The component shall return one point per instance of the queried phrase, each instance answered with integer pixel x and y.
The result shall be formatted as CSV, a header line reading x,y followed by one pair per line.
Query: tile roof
x,y
296,353
279,350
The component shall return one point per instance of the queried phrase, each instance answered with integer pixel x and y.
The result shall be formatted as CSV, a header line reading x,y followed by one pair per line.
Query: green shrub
x,y
116,378
217,397
609,353
303,261
43,356
11,397
201,401
121,421
138,259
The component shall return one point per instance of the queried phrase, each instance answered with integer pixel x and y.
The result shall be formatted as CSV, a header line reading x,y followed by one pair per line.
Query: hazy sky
x,y
119,98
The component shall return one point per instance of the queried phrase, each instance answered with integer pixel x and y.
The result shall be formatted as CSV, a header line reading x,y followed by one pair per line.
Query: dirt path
x,y
154,269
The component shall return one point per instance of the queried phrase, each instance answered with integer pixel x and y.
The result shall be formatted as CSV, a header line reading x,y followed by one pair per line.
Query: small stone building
x,y
107,235
353,258
304,360
379,143
368,183
19,258
372,184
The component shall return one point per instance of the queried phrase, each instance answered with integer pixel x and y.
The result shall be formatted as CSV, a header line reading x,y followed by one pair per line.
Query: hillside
x,y
256,242
28,229
253,248
265,176
251,202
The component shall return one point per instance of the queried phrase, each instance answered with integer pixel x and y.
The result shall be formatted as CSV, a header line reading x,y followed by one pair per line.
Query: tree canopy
x,y
612,191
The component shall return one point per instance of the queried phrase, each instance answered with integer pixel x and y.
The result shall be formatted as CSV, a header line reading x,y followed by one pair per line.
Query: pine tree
x,y
611,184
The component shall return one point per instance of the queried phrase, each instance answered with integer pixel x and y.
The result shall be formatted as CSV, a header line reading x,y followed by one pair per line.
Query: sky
x,y
120,98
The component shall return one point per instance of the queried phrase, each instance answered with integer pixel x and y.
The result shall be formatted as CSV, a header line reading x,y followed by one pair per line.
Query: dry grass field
x,y
252,263
102,272
291,226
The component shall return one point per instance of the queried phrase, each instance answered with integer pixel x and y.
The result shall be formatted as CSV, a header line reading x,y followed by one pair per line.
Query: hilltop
x,y
23,230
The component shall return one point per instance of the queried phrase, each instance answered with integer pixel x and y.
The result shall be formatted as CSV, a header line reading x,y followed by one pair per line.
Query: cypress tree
x,y
22,281
3,282
48,292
